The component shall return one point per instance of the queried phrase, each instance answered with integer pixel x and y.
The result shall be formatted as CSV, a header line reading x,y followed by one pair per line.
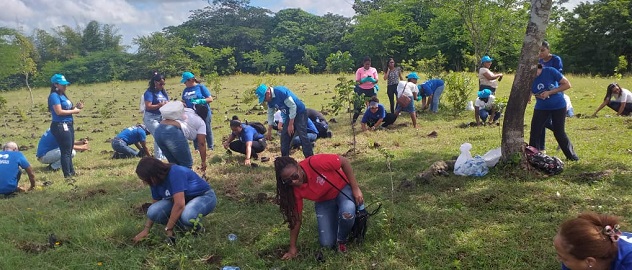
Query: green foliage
x,y
432,67
378,33
103,66
458,89
621,67
300,69
344,97
162,53
17,55
3,103
339,62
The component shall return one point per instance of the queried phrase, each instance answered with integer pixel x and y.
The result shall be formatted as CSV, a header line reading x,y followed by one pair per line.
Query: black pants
x,y
387,121
391,92
616,104
240,147
558,118
358,105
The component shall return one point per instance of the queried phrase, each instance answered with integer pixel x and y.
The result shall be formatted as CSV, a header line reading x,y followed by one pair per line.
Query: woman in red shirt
x,y
323,179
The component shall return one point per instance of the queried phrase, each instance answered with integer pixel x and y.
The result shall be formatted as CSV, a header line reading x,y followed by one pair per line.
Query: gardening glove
x,y
198,101
418,97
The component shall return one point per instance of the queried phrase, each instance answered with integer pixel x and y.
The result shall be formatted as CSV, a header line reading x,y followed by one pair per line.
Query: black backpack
x,y
547,164
259,127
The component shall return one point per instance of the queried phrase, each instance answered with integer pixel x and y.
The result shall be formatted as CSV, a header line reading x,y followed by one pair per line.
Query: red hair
x,y
584,236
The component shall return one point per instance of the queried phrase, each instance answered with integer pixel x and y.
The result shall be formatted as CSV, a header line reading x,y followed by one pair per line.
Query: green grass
x,y
505,220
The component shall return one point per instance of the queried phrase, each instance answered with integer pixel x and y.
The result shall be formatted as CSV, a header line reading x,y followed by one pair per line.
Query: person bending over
x,y
376,116
135,135
249,142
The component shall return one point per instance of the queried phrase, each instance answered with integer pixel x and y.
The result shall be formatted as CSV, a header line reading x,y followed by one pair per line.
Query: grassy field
x,y
505,220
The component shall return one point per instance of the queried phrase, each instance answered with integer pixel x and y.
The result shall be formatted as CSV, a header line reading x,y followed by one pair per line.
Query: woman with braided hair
x,y
326,179
593,241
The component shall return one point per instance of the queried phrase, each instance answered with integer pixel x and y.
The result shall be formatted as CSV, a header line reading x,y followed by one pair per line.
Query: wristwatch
x,y
168,229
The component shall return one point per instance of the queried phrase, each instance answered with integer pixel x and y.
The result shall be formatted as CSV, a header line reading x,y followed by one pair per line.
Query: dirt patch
x,y
213,259
467,125
273,253
89,194
29,247
595,175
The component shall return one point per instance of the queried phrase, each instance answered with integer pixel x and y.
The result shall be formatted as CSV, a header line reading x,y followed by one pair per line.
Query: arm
x,y
270,123
492,76
364,127
621,108
31,174
388,70
378,123
201,138
176,211
145,231
149,106
59,111
230,139
248,152
143,147
355,188
564,85
603,104
293,251
428,100
289,102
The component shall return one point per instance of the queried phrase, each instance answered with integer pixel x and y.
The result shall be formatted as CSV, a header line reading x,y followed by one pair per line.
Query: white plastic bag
x,y
492,157
141,107
469,106
467,166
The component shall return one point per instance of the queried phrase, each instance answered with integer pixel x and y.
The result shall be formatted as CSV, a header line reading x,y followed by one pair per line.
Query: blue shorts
x,y
410,108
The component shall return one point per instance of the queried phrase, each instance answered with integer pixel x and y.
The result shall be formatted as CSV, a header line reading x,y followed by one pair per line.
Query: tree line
x,y
231,36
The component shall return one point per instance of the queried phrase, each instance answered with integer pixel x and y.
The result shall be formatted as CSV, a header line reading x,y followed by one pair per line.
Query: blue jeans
x,y
296,142
119,145
209,134
151,121
484,114
335,218
174,145
204,204
66,140
300,130
434,106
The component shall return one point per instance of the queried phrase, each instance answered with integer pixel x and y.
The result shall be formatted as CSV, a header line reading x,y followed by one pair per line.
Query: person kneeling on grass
x,y
593,241
326,179
132,135
48,150
11,160
622,103
485,106
250,142
376,116
180,197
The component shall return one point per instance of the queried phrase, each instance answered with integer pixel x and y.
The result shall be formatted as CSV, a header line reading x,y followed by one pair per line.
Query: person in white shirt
x,y
484,107
622,103
487,79
406,95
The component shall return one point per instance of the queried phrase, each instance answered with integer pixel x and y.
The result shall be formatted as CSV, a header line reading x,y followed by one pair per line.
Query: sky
x,y
136,18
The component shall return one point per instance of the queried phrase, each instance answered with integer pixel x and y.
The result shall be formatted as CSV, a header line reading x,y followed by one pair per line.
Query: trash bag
x,y
469,106
467,165
492,157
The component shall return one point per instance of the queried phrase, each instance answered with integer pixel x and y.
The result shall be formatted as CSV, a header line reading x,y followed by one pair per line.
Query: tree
x,y
163,53
20,56
513,123
378,34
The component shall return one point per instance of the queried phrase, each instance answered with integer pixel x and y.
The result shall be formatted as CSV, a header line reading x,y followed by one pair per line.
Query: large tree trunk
x,y
513,124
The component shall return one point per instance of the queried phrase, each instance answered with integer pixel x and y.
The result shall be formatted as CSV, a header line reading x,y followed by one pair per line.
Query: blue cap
x,y
486,59
186,76
412,75
261,92
59,79
485,93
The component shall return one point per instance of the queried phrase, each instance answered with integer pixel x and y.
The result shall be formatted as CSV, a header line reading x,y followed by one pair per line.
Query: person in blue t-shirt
x,y
548,88
48,150
196,94
249,142
281,98
593,241
313,132
61,126
155,97
376,116
11,161
547,59
180,197
431,91
132,135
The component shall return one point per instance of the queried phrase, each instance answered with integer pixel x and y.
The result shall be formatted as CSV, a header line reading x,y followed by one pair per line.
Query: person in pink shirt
x,y
366,87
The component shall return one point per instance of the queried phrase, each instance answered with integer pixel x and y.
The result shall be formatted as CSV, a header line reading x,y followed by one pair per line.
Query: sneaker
x,y
342,247
50,168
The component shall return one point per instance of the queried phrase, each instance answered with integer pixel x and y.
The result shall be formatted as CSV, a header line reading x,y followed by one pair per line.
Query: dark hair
x,y
545,44
583,236
285,193
609,90
235,117
152,171
201,110
235,123
374,99
195,79
152,82
366,59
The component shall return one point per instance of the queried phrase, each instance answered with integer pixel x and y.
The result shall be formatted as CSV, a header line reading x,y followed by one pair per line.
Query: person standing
x,y
329,181
194,94
366,86
11,160
548,88
249,142
487,79
392,75
547,59
61,126
281,98
155,97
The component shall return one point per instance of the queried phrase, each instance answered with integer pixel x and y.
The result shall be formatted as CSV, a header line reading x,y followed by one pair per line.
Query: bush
x,y
457,92
339,62
3,102
301,69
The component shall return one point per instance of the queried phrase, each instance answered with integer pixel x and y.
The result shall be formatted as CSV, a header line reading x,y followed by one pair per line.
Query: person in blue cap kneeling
x,y
281,98
485,106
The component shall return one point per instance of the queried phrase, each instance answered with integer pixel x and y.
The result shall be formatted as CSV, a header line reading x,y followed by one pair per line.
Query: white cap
x,y
173,110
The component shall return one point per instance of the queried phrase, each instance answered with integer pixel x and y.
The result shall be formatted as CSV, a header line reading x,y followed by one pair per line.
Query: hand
x,y
357,195
247,162
203,166
225,144
269,136
169,233
364,128
544,94
31,188
80,105
373,128
290,129
594,115
140,236
291,253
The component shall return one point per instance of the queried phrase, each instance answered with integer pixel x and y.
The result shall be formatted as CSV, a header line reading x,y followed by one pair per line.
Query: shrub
x,y
339,62
301,69
457,91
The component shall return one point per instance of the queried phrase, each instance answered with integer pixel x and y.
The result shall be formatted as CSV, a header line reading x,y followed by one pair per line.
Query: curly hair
x,y
285,193
584,236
